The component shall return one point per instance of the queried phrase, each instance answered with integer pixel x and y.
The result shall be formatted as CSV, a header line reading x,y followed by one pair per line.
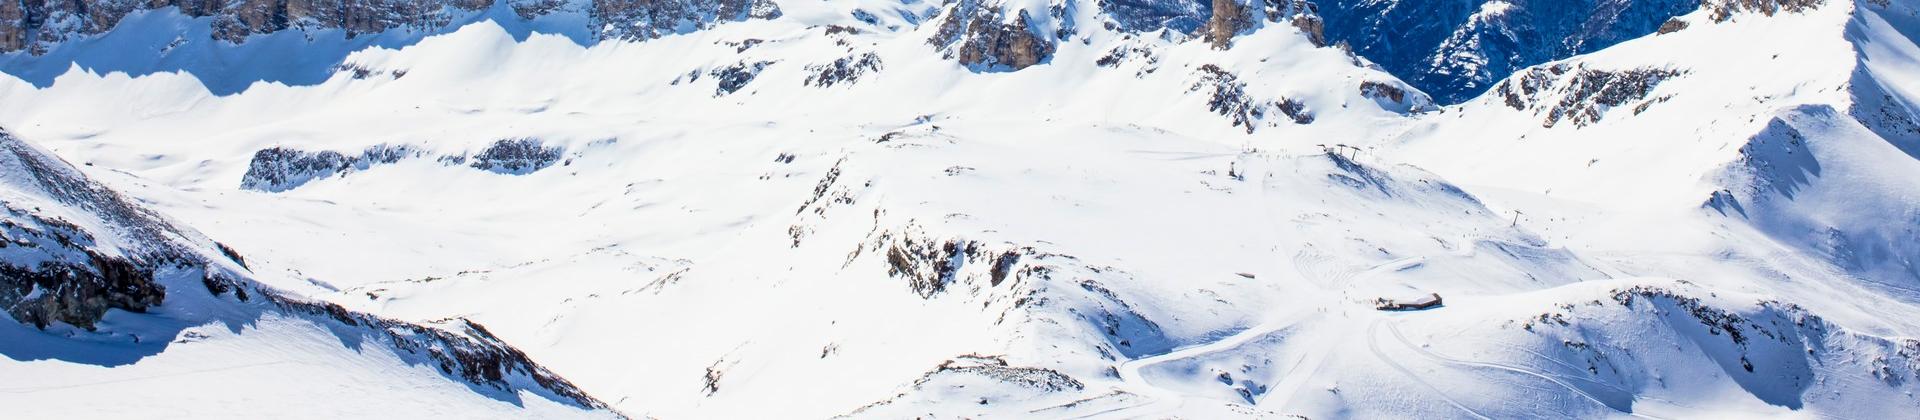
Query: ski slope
x,y
1141,226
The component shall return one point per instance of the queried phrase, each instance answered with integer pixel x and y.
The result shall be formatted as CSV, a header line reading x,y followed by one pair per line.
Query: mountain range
x,y
970,208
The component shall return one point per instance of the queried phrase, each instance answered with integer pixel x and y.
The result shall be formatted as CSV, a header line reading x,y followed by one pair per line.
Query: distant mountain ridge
x,y
975,208
1457,49
37,25
1452,49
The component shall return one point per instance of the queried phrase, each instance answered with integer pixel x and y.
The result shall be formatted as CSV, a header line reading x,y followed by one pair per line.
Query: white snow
x,y
754,254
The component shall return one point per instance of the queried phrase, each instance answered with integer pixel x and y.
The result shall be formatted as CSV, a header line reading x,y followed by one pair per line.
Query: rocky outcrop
x,y
1724,10
972,379
66,290
1231,18
996,368
1228,19
1228,96
516,156
929,267
981,38
37,25
1382,90
1577,94
1673,25
1181,16
736,76
278,169
637,20
1017,282
458,347
71,250
54,270
842,71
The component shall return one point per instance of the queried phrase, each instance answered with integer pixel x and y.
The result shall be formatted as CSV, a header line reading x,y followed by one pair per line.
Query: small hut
x,y
1424,302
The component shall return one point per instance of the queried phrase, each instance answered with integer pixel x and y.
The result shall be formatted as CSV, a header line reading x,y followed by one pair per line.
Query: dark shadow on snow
x,y
166,41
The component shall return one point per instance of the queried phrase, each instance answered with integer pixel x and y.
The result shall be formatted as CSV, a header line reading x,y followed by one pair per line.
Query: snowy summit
x,y
888,209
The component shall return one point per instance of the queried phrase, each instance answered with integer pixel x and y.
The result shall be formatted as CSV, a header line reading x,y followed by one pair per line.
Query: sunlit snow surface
x,y
1067,240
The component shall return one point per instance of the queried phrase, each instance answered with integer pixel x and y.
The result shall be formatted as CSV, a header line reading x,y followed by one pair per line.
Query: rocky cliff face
x,y
71,250
981,37
1216,21
1722,10
1457,49
1231,18
53,268
1580,95
1452,49
986,35
278,169
37,25
635,20
1183,16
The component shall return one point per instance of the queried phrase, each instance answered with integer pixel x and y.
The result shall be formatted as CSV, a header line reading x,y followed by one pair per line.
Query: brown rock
x,y
979,37
25,24
1673,25
1723,10
1230,18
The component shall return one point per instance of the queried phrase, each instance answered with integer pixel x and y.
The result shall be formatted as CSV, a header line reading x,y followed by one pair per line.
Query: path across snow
x,y
1165,399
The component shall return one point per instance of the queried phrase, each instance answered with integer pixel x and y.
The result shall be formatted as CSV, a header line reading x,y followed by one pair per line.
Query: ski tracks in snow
x,y
1393,328
1296,378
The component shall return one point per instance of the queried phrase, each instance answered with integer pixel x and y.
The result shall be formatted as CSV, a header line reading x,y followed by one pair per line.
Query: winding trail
x,y
1395,329
1130,370
1165,399
1332,306
1374,345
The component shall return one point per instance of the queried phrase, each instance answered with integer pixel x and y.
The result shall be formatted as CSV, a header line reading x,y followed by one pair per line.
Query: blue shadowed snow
x,y
166,41
1457,49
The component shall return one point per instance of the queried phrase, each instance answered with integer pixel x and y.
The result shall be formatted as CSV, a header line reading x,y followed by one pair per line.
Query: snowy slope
x,y
892,218
113,300
1810,152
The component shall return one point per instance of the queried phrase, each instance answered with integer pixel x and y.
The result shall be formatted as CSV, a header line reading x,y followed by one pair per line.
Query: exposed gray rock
x,y
1723,10
37,25
279,169
1673,25
844,70
980,37
1583,95
63,288
459,348
736,76
1228,96
638,20
1231,18
516,156
54,270
57,271
1382,90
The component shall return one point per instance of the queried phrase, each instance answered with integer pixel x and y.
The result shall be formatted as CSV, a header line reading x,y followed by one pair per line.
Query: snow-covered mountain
x,y
978,208
1457,49
123,313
